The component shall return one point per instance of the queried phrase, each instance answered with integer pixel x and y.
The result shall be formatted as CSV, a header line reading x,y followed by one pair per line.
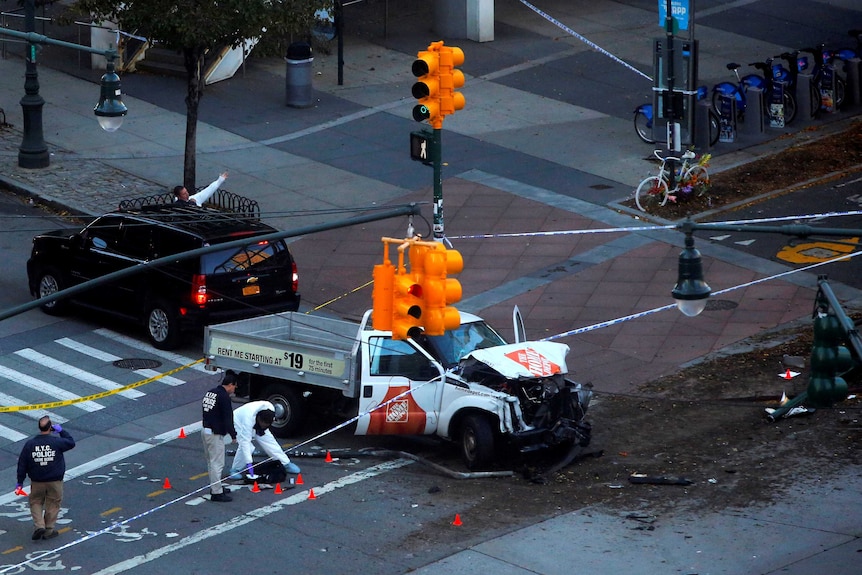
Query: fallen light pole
x,y
833,329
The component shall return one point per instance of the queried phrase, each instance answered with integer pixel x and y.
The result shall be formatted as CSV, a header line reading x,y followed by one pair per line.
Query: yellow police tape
x,y
53,404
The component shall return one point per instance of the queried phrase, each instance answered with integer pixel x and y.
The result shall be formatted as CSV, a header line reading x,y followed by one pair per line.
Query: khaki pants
x,y
214,452
45,498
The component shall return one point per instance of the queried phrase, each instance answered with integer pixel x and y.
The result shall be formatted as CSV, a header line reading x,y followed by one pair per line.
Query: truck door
x,y
396,398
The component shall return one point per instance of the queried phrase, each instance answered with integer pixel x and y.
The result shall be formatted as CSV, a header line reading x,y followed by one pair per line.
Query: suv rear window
x,y
244,258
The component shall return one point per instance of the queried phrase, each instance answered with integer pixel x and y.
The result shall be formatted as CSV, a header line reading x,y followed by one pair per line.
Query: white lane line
x,y
110,358
254,515
134,343
76,372
48,389
8,400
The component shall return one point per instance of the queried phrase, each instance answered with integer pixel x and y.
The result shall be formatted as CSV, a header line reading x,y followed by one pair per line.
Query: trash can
x,y
298,75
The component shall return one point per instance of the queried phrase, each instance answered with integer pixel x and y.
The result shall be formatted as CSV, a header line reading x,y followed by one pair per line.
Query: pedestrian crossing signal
x,y
421,147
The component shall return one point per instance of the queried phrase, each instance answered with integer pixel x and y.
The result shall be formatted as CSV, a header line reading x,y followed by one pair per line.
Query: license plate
x,y
251,290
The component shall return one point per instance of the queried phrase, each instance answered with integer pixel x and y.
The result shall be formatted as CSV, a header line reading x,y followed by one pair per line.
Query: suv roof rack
x,y
222,200
206,222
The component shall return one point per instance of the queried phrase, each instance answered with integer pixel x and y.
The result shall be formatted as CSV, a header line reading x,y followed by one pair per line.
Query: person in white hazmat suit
x,y
252,422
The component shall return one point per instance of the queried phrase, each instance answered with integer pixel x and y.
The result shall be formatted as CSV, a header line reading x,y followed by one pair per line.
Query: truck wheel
x,y
289,409
163,325
477,442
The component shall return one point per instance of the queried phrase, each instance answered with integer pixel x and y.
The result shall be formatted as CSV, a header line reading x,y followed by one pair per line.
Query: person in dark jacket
x,y
217,424
42,459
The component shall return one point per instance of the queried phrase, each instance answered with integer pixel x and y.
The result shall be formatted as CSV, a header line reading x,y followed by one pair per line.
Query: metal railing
x,y
222,200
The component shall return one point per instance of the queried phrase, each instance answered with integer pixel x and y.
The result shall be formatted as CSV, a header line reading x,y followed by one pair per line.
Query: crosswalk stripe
x,y
48,389
76,372
33,414
87,350
109,357
134,343
11,434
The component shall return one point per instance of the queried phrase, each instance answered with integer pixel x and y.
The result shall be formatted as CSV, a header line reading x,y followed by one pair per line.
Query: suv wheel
x,y
49,284
163,326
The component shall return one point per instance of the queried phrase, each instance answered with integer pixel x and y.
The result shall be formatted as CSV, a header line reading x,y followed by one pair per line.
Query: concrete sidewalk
x,y
529,153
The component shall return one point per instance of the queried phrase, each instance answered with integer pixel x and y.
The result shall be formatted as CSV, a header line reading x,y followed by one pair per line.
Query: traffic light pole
x,y
437,149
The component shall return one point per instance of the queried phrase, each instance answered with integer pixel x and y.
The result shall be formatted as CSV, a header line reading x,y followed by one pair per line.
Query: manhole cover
x,y
137,363
720,305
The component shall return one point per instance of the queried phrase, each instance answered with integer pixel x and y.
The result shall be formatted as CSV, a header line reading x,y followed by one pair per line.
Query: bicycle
x,y
644,117
765,83
790,77
689,178
829,85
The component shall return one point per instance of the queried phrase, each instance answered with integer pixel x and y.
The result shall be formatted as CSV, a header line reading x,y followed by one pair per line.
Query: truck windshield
x,y
456,343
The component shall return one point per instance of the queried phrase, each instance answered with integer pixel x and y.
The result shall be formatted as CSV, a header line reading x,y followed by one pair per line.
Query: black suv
x,y
229,284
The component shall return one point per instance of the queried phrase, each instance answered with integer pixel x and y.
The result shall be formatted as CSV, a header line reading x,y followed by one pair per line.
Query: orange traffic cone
x,y
255,488
182,433
787,375
278,488
299,480
328,457
311,494
457,520
167,484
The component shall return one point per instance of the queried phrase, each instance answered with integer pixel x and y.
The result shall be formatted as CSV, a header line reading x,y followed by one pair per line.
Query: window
x,y
246,257
396,357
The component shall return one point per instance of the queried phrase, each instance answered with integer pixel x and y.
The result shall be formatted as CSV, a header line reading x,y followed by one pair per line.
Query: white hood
x,y
529,359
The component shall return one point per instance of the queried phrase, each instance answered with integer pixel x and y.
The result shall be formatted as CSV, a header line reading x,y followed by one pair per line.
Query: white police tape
x,y
619,320
589,43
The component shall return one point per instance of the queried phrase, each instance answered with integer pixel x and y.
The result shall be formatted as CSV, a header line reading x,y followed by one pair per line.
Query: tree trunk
x,y
194,62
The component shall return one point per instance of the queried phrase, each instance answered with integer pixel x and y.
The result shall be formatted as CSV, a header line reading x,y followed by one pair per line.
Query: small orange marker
x,y
167,484
328,457
311,494
457,520
182,433
787,375
299,480
255,488
278,488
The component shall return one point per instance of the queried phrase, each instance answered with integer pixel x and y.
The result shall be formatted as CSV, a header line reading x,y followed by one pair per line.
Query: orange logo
x,y
536,363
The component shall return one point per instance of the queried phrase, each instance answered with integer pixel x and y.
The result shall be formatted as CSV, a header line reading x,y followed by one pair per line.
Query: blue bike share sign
x,y
679,9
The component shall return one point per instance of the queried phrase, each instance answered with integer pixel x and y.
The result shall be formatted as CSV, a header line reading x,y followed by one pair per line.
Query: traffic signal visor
x,y
382,297
407,307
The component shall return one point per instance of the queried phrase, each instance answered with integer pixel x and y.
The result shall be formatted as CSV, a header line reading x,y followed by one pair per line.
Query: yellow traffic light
x,y
427,87
407,307
381,297
440,291
450,78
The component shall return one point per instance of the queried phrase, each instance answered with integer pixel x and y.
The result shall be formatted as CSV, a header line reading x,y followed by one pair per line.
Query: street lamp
x,y
691,291
110,110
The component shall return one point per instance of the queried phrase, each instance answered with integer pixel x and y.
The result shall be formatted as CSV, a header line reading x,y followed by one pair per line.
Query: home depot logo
x,y
397,411
536,363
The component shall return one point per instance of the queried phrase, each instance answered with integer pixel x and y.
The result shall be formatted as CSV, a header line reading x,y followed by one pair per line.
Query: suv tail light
x,y
295,284
199,290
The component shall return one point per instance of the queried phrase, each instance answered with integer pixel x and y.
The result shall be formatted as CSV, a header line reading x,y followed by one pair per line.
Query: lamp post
x,y
110,110
691,293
